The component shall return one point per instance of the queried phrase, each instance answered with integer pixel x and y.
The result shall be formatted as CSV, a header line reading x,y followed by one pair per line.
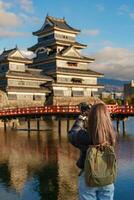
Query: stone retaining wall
x,y
74,100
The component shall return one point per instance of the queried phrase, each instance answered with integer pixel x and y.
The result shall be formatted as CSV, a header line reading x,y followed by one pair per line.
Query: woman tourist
x,y
97,158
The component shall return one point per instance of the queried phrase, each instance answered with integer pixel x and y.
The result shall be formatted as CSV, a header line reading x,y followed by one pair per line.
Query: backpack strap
x,y
100,145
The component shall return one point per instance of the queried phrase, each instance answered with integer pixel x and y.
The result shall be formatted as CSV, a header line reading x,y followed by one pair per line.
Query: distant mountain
x,y
112,84
112,81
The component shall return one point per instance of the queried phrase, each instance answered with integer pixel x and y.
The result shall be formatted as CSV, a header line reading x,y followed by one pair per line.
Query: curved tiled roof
x,y
30,74
61,23
56,23
61,84
80,71
50,43
7,54
28,89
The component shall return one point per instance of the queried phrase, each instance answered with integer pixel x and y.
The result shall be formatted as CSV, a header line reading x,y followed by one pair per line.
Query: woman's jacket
x,y
79,138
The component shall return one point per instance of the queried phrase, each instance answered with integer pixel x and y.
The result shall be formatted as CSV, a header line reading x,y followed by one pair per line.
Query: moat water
x,y
42,166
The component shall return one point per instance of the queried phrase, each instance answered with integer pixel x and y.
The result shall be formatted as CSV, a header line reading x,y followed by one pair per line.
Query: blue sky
x,y
107,27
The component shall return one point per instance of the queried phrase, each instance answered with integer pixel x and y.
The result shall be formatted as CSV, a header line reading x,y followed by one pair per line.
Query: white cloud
x,y
28,54
8,33
5,5
106,43
100,7
123,9
29,19
115,63
27,5
131,15
9,19
91,32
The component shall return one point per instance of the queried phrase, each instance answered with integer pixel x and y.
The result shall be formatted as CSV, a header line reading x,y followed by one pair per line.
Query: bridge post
x,y
38,124
15,123
5,126
59,127
28,124
118,125
68,124
124,127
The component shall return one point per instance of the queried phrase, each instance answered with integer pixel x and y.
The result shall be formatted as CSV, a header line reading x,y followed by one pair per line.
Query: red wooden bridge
x,y
116,110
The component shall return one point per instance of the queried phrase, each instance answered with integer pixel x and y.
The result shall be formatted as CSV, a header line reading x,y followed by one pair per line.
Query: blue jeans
x,y
94,193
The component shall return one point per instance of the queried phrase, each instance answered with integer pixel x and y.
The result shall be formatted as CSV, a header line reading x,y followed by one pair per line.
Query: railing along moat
x,y
118,113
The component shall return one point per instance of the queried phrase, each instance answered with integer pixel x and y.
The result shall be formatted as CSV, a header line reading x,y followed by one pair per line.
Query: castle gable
x,y
16,54
71,51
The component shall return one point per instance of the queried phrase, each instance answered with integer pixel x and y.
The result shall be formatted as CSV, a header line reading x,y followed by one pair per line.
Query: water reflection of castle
x,y
47,161
58,73
40,157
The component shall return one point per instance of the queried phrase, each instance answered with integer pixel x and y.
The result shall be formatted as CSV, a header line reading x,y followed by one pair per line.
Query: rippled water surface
x,y
41,166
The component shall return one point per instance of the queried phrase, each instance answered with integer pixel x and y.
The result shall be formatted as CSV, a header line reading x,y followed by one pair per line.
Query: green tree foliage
x,y
130,100
109,101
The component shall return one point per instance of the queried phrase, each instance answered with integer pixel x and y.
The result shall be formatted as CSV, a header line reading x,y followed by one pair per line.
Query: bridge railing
x,y
112,108
39,110
62,109
127,109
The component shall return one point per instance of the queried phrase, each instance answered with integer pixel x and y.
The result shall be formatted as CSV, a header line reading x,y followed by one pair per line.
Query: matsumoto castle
x,y
58,74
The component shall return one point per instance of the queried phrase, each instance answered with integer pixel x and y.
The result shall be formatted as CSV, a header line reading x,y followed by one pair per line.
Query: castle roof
x,y
77,85
14,54
79,71
30,73
71,52
57,23
28,89
76,71
8,52
61,42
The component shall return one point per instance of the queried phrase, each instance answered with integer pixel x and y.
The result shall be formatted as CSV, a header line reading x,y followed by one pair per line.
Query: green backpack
x,y
100,166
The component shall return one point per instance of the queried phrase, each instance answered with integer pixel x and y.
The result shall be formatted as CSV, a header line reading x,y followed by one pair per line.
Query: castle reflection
x,y
41,156
42,165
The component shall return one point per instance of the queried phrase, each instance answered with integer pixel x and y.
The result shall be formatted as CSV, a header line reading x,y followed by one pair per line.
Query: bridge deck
x,y
55,110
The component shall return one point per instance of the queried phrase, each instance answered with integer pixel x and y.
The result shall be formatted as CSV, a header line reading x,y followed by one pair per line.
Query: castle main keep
x,y
58,74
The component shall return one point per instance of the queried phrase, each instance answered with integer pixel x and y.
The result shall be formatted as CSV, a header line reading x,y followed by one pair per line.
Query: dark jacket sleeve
x,y
78,135
79,138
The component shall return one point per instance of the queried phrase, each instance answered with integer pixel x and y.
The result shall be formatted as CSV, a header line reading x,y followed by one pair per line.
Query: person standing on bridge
x,y
98,136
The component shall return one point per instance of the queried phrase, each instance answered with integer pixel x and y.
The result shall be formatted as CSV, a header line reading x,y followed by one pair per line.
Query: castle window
x,y
72,64
33,97
36,97
59,93
21,83
2,68
76,80
65,37
78,93
12,96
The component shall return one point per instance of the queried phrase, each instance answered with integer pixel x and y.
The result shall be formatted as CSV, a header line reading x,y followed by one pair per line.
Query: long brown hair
x,y
100,127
